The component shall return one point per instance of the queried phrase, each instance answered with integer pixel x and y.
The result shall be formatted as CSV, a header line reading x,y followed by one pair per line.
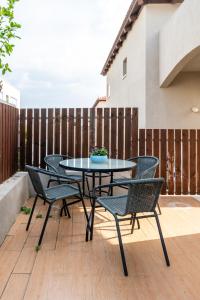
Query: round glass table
x,y
85,165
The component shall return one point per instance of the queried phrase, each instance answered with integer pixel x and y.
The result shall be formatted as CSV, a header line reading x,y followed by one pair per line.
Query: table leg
x,y
83,183
111,181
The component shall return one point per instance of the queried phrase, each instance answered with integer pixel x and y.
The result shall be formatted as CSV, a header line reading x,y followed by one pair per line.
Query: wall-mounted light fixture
x,y
195,109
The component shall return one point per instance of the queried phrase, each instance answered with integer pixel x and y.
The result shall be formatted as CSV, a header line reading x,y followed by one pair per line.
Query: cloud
x,y
63,48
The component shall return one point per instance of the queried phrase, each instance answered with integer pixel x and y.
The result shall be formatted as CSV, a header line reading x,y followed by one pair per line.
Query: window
x,y
124,67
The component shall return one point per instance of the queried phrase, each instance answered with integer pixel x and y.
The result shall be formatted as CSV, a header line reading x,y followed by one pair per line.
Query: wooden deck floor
x,y
69,268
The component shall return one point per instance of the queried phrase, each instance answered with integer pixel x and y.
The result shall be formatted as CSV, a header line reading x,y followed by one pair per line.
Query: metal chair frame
x,y
158,185
42,193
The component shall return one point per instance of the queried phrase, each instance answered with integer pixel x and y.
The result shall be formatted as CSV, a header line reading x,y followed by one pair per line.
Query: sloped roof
x,y
130,18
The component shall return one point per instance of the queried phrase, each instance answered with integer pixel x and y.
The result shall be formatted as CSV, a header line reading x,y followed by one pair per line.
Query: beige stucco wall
x,y
130,91
179,41
158,107
167,107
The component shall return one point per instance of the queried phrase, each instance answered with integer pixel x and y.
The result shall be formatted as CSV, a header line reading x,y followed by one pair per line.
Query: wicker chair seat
x,y
61,191
116,205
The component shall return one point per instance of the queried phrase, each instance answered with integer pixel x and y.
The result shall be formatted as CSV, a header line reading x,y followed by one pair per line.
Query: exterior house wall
x,y
130,91
167,107
158,107
9,94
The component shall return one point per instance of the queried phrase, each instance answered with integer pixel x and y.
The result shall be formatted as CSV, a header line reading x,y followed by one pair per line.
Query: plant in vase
x,y
99,155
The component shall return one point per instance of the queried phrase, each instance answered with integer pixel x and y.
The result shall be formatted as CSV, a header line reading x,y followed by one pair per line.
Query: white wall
x,y
10,94
130,91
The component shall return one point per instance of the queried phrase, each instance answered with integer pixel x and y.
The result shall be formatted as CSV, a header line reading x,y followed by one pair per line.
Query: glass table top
x,y
85,164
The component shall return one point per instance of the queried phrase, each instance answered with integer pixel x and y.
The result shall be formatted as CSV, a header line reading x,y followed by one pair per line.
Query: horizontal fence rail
x,y
8,141
75,131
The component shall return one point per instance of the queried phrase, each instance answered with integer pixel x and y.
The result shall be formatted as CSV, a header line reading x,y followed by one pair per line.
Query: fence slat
x,y
178,160
22,139
57,130
120,133
29,153
1,143
92,129
142,142
85,133
149,149
50,131
134,128
127,133
43,140
198,161
99,127
185,163
170,161
113,132
78,133
107,129
156,148
163,158
192,162
71,133
36,137
64,132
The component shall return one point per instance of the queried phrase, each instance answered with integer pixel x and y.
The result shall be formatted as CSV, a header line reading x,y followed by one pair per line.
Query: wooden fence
x,y
8,141
75,131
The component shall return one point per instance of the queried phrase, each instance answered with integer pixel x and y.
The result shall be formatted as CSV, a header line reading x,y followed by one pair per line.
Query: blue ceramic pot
x,y
98,159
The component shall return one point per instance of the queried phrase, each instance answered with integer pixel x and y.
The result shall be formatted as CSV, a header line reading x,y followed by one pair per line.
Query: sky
x,y
64,45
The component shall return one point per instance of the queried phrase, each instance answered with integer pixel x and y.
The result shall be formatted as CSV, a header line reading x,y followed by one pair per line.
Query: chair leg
x,y
85,210
162,239
44,225
121,248
159,210
89,193
31,215
133,222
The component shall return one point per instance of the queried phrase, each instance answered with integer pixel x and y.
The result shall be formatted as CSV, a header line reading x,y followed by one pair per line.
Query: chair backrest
x,y
52,161
143,195
36,180
145,166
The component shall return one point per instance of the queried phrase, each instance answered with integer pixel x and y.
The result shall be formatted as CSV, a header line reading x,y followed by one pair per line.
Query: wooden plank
x,y
164,158
193,162
107,130
71,133
85,133
185,164
178,160
78,140
50,131
142,142
134,129
43,137
22,139
16,287
99,127
128,136
171,162
113,132
120,135
57,130
64,132
149,142
198,161
156,148
29,154
36,138
92,129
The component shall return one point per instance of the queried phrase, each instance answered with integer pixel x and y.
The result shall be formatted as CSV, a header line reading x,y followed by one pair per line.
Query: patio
x,y
67,267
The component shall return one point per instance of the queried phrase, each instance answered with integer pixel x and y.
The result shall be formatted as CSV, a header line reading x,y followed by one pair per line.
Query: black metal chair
x,y
145,168
142,197
52,194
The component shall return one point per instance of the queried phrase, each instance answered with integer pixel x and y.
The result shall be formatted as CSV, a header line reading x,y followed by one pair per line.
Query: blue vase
x,y
99,159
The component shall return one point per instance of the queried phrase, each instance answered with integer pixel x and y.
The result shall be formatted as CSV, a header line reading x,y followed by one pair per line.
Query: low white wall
x,y
13,194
